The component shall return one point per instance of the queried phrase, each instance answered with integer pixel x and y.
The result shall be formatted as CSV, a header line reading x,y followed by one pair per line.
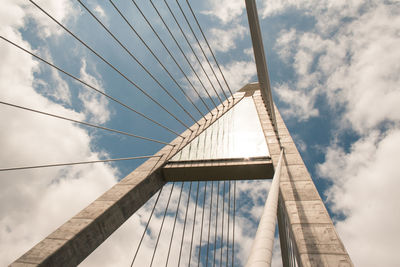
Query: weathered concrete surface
x,y
233,169
77,238
316,242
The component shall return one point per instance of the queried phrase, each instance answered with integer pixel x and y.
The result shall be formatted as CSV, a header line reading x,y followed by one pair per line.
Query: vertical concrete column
x,y
263,243
316,242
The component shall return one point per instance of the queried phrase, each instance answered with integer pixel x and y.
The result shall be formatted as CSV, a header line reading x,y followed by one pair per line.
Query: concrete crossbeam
x,y
233,169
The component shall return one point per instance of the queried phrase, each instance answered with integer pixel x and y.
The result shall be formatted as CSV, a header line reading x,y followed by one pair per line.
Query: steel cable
x,y
198,42
169,52
216,225
202,220
209,223
139,63
184,224
162,224
147,225
209,47
229,208
90,86
194,223
222,230
234,213
76,163
183,53
84,123
173,228
156,57
110,65
192,49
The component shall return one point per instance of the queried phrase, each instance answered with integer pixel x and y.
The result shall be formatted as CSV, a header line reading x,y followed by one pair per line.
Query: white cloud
x,y
300,144
352,67
249,52
300,51
100,11
54,86
226,10
270,8
95,105
301,104
285,44
329,14
237,73
369,83
365,190
12,15
62,11
224,39
61,88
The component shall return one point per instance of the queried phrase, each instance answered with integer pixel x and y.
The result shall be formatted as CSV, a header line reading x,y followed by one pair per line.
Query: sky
x,y
333,67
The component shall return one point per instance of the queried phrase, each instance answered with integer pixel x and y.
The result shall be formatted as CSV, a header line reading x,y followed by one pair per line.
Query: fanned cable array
x,y
201,234
196,100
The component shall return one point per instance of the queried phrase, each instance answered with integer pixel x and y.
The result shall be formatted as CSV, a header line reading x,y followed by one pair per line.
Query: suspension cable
x,y
227,238
90,86
157,58
173,228
184,224
183,53
234,213
202,220
76,163
169,52
138,62
198,42
162,224
209,223
84,123
216,225
194,223
192,49
209,47
112,66
222,230
147,225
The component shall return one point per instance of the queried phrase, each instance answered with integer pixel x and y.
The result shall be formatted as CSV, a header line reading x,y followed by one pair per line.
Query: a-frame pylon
x,y
307,234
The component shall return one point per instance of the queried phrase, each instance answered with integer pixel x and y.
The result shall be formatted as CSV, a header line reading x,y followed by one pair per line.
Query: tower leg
x,y
315,241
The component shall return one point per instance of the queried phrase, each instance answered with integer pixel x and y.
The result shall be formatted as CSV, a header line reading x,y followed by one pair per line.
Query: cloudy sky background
x,y
334,68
